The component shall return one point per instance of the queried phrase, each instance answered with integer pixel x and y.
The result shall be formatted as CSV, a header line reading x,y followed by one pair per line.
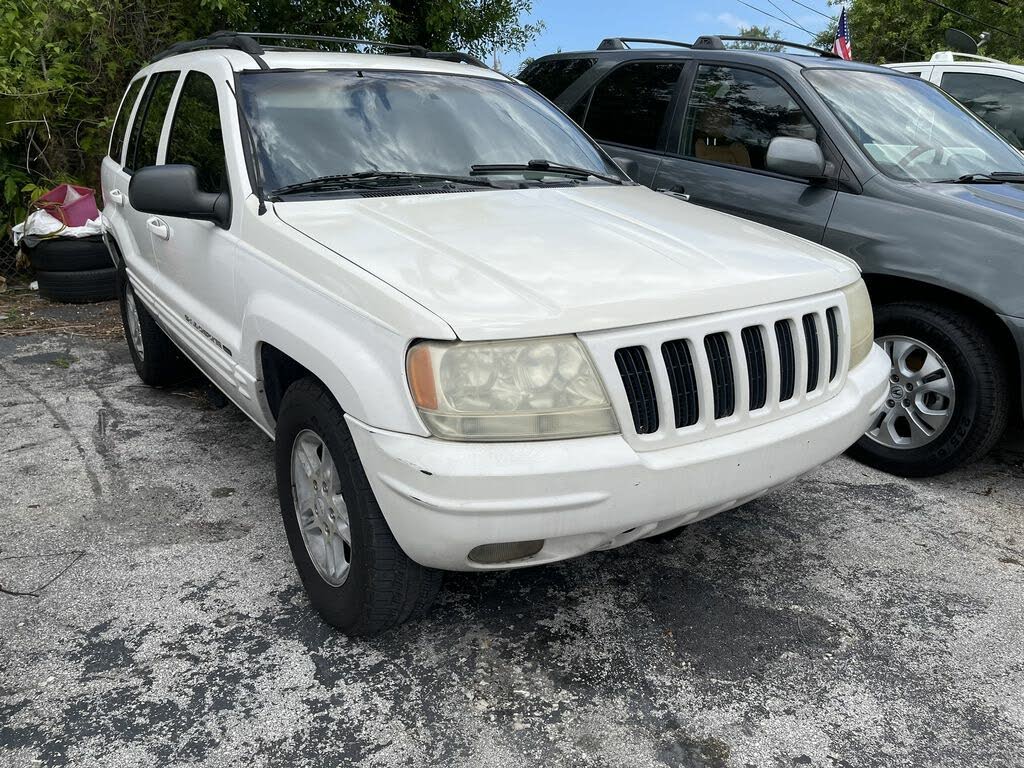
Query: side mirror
x,y
795,157
173,190
629,167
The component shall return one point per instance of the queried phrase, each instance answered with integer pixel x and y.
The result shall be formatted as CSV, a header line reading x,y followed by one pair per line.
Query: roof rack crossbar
x,y
715,42
217,41
621,43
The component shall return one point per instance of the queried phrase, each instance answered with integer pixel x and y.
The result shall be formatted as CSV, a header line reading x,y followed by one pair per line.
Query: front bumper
x,y
442,499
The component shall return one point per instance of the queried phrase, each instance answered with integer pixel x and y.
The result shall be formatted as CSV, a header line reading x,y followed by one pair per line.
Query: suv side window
x,y
999,101
196,137
630,104
733,114
117,134
149,121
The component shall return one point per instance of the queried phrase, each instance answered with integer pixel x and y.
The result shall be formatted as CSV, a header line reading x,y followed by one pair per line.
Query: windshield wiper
x,y
996,177
544,166
370,178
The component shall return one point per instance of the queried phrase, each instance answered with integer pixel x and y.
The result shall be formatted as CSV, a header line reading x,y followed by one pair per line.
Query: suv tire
x,y
81,287
368,584
157,360
979,409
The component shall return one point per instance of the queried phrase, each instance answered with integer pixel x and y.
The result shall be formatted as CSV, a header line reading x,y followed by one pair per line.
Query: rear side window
x,y
552,77
145,138
121,123
999,101
196,137
629,106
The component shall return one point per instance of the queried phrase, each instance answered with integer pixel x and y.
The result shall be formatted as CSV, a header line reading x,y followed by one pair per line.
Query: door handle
x,y
159,228
117,196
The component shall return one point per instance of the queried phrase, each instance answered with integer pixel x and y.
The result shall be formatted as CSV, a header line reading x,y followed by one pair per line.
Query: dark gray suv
x,y
876,164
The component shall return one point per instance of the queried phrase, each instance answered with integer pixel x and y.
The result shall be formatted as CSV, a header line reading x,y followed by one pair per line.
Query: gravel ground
x,y
852,619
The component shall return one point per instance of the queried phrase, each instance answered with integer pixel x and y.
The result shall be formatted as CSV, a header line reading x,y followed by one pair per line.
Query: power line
x,y
815,10
777,18
975,19
777,7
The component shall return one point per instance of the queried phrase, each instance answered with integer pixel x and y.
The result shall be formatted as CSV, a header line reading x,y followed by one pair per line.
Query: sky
x,y
575,25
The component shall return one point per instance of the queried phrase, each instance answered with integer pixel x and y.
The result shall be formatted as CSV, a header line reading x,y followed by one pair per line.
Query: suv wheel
x,y
948,400
157,361
357,577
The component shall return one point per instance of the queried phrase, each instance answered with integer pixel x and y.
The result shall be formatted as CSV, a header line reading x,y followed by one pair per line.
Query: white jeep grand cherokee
x,y
475,342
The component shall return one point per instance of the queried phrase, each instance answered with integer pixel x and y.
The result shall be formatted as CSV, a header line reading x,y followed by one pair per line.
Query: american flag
x,y
841,46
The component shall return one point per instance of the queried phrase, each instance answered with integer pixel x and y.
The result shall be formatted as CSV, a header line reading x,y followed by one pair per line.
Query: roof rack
x,y
248,42
717,43
951,56
622,43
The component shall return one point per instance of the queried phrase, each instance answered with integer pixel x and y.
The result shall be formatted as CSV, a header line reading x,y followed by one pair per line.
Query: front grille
x,y
636,378
720,373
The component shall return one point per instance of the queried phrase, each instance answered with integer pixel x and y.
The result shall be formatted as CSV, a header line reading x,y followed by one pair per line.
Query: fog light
x,y
492,554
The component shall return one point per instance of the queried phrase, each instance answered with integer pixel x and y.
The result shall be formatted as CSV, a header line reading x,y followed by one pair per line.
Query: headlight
x,y
531,389
862,322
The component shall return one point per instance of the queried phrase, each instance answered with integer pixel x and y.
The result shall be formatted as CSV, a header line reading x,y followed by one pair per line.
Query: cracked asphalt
x,y
851,619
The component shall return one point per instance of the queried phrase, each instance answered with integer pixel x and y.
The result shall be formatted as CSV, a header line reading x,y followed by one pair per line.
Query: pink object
x,y
72,205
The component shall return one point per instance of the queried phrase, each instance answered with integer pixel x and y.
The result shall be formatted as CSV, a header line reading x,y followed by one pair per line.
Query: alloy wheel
x,y
320,508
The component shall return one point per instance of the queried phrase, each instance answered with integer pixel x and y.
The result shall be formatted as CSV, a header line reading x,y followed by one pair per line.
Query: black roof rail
x,y
717,43
249,42
621,43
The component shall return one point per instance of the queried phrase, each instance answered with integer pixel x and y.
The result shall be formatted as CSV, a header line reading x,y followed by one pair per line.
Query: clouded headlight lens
x,y
862,322
531,389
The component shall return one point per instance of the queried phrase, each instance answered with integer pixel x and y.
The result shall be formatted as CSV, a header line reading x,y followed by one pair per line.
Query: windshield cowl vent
x,y
407,191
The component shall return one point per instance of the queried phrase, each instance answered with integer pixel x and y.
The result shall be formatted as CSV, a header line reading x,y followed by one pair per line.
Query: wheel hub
x,y
320,508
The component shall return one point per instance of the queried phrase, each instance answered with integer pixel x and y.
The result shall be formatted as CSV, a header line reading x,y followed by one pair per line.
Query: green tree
x,y
764,33
884,31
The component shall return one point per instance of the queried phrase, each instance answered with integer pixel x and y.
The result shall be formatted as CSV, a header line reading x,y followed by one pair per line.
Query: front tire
x,y
949,392
356,575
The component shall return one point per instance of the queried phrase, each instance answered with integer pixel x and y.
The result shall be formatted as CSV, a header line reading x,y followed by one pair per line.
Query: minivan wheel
x,y
948,400
356,575
157,361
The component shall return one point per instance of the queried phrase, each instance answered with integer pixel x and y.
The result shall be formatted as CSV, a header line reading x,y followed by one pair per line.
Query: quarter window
x,y
629,106
999,101
553,76
121,123
196,137
149,121
733,115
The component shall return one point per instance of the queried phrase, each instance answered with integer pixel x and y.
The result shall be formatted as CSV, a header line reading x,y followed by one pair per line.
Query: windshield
x,y
910,129
324,123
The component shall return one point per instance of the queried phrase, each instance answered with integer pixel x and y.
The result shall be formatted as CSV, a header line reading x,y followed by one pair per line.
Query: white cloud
x,y
732,20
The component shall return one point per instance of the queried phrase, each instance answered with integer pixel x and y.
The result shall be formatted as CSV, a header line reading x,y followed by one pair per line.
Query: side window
x,y
552,77
629,106
195,132
733,115
123,115
149,121
999,101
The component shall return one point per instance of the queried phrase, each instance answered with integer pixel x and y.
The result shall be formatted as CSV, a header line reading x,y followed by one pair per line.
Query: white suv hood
x,y
515,263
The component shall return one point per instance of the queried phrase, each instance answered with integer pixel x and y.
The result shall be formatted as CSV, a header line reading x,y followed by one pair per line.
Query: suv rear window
x,y
552,77
149,121
121,123
629,106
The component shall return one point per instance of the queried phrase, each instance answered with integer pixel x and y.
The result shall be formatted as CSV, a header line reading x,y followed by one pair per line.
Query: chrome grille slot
x,y
636,378
757,366
813,351
682,378
832,318
787,359
720,361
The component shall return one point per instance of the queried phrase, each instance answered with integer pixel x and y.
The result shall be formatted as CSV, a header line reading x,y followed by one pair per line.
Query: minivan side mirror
x,y
791,156
628,166
173,190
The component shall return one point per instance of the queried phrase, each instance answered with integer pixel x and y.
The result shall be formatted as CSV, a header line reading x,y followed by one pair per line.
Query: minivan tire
x,y
383,586
982,390
82,287
69,254
158,362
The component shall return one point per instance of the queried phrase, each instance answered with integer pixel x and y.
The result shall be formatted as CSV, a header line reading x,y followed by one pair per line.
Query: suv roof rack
x,y
717,43
622,43
951,56
248,42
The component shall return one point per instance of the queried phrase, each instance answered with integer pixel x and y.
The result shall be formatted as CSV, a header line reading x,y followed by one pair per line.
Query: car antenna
x,y
253,151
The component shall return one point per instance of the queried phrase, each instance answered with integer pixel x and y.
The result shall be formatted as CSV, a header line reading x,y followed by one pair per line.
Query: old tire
x,y
69,254
364,584
157,361
82,287
971,397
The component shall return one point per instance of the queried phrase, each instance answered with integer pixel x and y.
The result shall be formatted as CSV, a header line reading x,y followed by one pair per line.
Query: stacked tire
x,y
73,270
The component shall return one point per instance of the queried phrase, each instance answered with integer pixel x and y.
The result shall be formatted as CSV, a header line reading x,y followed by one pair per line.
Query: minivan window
x,y
910,129
553,76
149,121
630,105
123,115
317,123
733,114
999,101
196,137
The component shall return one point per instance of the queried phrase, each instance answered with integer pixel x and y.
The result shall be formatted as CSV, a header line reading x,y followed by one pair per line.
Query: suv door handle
x,y
159,228
117,196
